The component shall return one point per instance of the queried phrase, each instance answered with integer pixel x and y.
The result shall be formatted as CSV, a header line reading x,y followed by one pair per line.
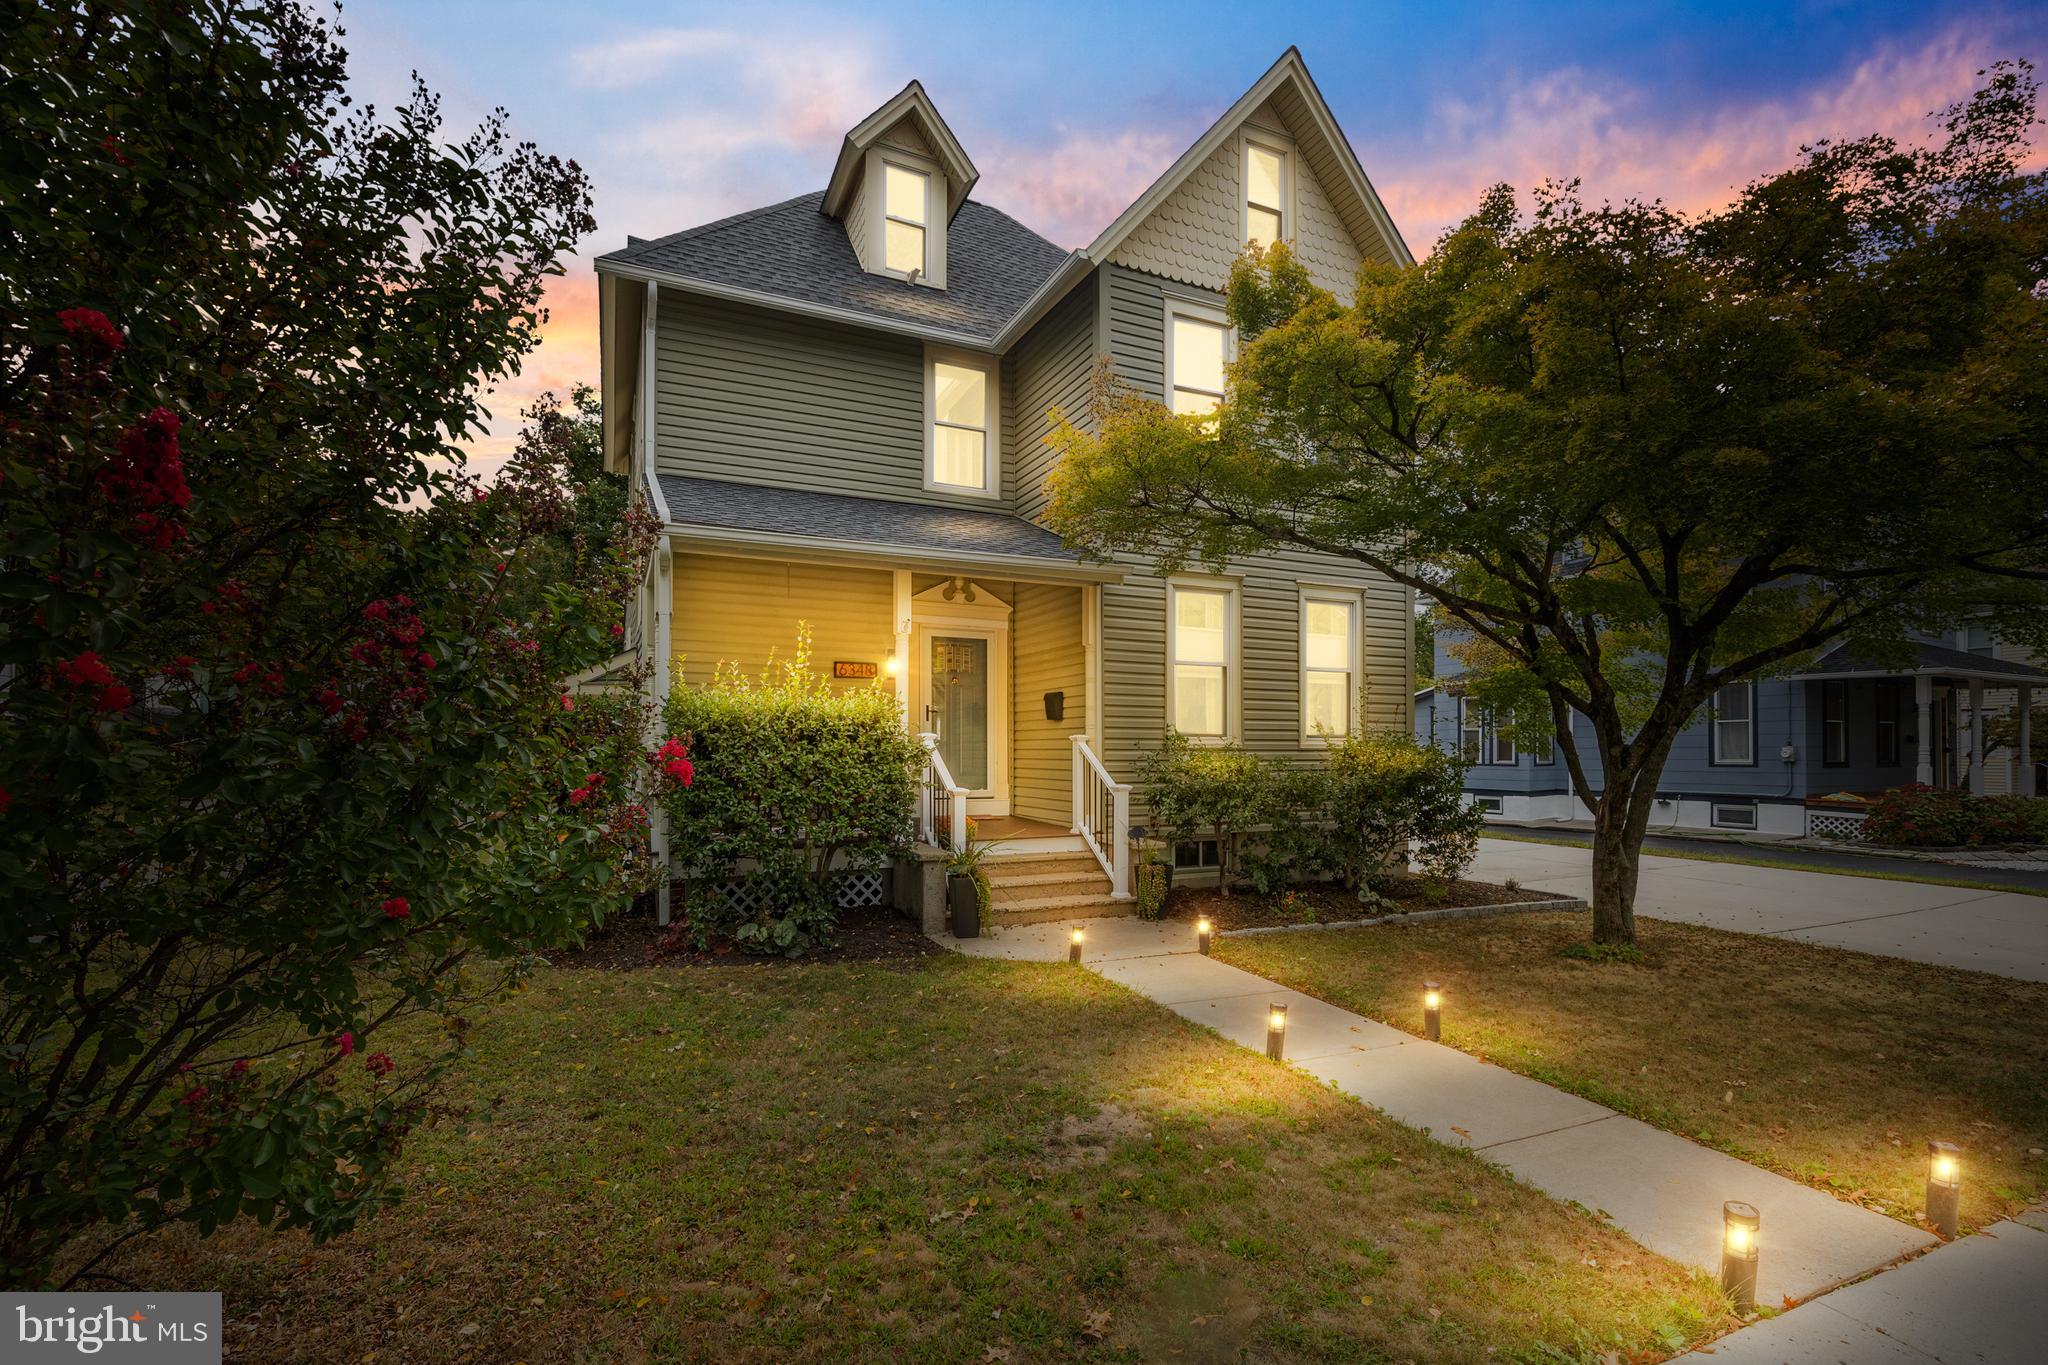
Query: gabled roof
x,y
1323,146
912,103
791,252
1851,659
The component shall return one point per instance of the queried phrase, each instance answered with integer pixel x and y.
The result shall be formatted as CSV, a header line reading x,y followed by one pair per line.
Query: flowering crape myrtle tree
x,y
285,755
1632,455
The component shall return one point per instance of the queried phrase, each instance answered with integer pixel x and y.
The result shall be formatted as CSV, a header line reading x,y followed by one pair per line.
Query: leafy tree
x,y
283,753
1635,455
1425,647
570,438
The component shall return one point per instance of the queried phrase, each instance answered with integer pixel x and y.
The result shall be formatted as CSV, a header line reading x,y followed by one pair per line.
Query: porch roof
x,y
1849,660
757,518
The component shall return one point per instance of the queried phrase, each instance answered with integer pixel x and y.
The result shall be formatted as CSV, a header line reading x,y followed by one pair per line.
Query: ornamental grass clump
x,y
797,783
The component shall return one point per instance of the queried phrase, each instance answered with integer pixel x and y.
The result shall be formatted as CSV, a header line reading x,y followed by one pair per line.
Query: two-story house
x,y
1785,756
838,406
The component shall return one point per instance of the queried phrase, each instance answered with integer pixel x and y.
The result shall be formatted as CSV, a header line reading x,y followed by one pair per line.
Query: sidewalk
x,y
1977,1299
1661,1190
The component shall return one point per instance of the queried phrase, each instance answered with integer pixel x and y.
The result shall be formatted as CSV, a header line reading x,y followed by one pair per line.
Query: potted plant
x,y
967,889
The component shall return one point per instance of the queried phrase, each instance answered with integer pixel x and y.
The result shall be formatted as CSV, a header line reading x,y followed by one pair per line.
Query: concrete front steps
x,y
1027,887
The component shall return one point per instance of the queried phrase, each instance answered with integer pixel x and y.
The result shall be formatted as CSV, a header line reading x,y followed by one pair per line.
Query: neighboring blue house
x,y
1784,756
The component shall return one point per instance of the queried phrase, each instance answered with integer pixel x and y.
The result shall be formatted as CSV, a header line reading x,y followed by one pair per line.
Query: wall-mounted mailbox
x,y
1055,706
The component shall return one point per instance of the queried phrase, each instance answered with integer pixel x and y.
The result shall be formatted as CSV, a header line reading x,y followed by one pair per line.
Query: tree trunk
x,y
1614,870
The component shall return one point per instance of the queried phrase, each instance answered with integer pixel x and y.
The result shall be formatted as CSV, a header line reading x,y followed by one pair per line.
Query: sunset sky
x,y
683,113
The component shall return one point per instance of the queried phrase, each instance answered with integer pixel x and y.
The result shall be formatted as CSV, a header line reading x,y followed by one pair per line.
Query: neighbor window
x,y
1734,724
1734,814
961,393
906,196
1834,724
1546,752
1471,731
1197,345
1200,630
1501,752
1489,805
1887,725
1265,194
1329,664
1979,640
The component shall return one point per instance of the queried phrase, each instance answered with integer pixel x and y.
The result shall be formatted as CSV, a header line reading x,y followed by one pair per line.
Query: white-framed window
x,y
1268,178
906,218
1489,805
1733,725
1502,752
1545,753
1330,663
1471,731
1734,814
1194,853
1834,723
1198,347
961,407
1202,650
1980,640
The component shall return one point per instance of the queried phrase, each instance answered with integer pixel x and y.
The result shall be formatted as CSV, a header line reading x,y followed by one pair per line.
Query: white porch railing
x,y
937,788
1102,817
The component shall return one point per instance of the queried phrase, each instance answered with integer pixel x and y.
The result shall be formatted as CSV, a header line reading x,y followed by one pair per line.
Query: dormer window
x,y
906,202
1267,193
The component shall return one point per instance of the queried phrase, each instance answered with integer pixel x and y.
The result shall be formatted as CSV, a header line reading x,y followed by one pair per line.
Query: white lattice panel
x,y
1834,824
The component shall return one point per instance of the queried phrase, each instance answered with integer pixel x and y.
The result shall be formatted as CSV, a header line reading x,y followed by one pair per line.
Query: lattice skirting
x,y
850,891
1833,824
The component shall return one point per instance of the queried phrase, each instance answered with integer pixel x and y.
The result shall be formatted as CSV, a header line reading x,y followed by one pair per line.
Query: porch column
x,y
2026,785
1976,737
1923,705
902,655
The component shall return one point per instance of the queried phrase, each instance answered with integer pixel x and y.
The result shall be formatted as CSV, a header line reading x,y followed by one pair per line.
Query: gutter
x,y
824,549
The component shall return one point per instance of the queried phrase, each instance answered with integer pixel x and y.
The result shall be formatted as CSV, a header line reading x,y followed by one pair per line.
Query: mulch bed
x,y
633,940
1246,909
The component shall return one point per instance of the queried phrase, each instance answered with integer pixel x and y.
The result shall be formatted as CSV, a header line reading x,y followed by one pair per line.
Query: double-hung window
x,y
1265,193
906,214
1471,731
1980,640
1834,724
1329,663
961,411
1501,752
1887,723
1733,725
1197,348
1201,621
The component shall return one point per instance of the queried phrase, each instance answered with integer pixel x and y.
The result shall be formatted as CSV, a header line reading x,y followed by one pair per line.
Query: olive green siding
x,y
1047,655
1049,369
757,396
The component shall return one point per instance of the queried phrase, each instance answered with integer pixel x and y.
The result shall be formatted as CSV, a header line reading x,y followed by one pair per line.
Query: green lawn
x,y
945,1160
1832,1067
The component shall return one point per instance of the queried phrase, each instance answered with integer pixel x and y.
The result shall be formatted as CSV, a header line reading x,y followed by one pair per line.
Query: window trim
x,y
1250,136
1196,311
1490,805
990,367
1233,650
1471,721
1715,807
875,210
1714,723
1495,740
1834,723
1353,601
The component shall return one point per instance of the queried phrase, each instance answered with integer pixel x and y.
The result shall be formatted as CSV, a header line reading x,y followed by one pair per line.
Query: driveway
x,y
2002,932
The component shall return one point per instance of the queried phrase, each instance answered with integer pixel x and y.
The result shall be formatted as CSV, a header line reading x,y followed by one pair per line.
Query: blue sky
x,y
686,112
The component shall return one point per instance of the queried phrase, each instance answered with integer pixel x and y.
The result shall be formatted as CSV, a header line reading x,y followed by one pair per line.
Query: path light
x,y
1276,1032
1202,935
1944,1187
1074,944
1432,1010
1739,1226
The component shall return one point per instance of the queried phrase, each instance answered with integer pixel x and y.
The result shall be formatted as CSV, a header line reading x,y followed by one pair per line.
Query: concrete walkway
x,y
1978,1299
1661,1190
2002,932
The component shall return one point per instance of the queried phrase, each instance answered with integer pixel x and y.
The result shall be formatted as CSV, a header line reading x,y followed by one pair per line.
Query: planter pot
x,y
964,905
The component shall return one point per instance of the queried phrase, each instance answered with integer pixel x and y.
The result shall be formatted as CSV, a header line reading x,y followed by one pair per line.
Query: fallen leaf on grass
x,y
1096,1325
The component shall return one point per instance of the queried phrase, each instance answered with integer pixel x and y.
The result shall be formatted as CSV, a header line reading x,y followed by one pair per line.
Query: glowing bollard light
x,y
1074,944
1202,935
1944,1187
1739,1226
1276,1032
1432,1010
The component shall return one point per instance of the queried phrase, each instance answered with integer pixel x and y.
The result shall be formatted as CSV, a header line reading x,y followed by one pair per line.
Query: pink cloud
x,y
1073,189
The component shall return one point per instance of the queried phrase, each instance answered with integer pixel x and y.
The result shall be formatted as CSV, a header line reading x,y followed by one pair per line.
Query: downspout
x,y
663,589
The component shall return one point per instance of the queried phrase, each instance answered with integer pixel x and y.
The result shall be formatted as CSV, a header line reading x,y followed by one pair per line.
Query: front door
x,y
963,695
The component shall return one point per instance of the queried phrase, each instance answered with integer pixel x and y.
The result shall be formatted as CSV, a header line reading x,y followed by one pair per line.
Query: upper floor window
x,y
960,400
1979,640
1733,724
1265,194
1197,347
1329,663
1201,645
906,213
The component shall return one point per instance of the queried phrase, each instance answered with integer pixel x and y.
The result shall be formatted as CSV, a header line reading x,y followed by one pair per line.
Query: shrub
x,y
1945,817
1207,791
797,783
1384,792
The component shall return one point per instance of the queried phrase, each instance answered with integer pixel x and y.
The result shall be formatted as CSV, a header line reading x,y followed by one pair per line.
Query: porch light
x,y
1432,1010
1739,1227
1074,944
1276,1031
1202,934
1944,1187
892,665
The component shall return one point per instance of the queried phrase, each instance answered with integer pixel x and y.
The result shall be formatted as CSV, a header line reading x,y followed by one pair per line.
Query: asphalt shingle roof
x,y
1850,658
871,521
791,250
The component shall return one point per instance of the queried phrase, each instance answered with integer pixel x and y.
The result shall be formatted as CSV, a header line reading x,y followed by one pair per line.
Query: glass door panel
x,y
959,673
